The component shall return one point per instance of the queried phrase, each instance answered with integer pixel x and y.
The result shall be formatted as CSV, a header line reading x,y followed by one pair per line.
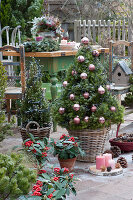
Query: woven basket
x,y
38,132
91,141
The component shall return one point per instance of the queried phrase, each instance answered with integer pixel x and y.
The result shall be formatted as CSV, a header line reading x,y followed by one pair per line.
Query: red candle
x,y
108,156
100,161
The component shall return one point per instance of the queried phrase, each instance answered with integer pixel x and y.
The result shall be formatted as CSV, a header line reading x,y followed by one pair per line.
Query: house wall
x,y
122,80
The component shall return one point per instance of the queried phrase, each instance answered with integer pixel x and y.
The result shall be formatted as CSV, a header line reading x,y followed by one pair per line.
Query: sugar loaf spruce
x,y
86,102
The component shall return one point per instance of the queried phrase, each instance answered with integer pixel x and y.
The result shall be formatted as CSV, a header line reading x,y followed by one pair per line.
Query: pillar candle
x,y
100,161
112,163
63,41
108,156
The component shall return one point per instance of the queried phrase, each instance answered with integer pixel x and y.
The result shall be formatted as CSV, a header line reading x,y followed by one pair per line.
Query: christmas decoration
x,y
109,151
117,165
65,83
91,67
112,108
81,59
103,169
123,162
86,119
76,120
132,157
76,107
109,169
101,90
108,87
73,72
86,95
93,108
101,120
72,96
83,76
95,53
116,151
61,110
85,40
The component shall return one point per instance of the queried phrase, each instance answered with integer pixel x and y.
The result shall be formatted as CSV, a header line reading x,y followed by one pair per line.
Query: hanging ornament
x,y
93,108
86,118
76,107
72,96
61,110
81,58
86,95
108,87
91,67
74,72
113,109
101,120
85,40
95,53
83,75
65,83
76,120
101,90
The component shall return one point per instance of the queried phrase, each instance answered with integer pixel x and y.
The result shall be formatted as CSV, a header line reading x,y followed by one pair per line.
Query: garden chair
x,y
16,81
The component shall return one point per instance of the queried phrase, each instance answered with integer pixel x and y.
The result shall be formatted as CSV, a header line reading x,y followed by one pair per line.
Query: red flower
x,y
72,139
34,151
50,196
39,183
62,137
28,143
55,178
42,171
36,187
44,154
57,170
46,148
71,176
66,170
36,194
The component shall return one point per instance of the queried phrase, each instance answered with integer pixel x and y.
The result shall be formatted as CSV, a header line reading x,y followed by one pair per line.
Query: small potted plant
x,y
67,148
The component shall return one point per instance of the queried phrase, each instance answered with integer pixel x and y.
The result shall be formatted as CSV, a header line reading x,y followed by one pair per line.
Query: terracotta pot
x,y
68,163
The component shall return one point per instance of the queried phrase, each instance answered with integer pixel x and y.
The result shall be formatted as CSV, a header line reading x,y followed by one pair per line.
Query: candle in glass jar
x,y
108,156
112,163
100,161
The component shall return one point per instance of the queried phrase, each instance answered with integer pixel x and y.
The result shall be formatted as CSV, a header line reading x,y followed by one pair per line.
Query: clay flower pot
x,y
68,163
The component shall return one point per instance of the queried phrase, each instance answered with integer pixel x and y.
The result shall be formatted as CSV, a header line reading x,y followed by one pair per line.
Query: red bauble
x,y
101,90
76,107
86,119
83,75
108,87
65,83
61,110
95,53
93,108
91,67
81,59
101,120
113,109
72,96
85,40
86,95
76,120
73,72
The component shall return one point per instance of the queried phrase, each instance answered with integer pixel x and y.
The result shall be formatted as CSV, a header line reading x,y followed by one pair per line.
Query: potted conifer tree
x,y
86,107
35,110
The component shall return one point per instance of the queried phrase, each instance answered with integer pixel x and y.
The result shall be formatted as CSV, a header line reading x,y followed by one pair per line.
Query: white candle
x,y
112,163
63,41
108,157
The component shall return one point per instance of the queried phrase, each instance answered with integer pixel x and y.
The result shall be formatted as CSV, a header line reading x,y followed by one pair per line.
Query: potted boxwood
x,y
67,148
34,110
86,107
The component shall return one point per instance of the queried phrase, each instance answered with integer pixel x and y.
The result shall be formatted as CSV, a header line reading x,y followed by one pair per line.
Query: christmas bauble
x,y
113,109
91,67
101,120
108,87
81,58
73,72
76,120
93,108
83,75
95,53
72,96
85,40
101,90
61,110
65,83
86,95
86,119
76,107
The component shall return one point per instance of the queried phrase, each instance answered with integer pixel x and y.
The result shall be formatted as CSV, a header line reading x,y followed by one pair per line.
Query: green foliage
x,y
34,106
45,45
129,97
78,87
15,179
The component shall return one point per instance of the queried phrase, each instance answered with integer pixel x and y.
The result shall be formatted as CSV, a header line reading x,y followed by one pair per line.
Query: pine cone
x,y
109,151
122,161
116,151
132,157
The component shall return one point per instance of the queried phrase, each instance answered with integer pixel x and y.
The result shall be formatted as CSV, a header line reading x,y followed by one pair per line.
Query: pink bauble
x,y
65,83
91,67
101,90
113,109
93,108
95,53
86,119
61,110
101,120
83,75
76,107
108,87
72,96
86,95
81,58
76,120
85,40
73,72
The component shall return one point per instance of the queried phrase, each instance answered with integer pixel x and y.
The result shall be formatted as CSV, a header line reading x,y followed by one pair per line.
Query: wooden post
x,y
99,32
132,54
89,30
94,31
22,66
110,59
84,28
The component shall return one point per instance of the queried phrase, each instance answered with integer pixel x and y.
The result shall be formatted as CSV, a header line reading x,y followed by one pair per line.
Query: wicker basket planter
x,y
38,132
91,141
